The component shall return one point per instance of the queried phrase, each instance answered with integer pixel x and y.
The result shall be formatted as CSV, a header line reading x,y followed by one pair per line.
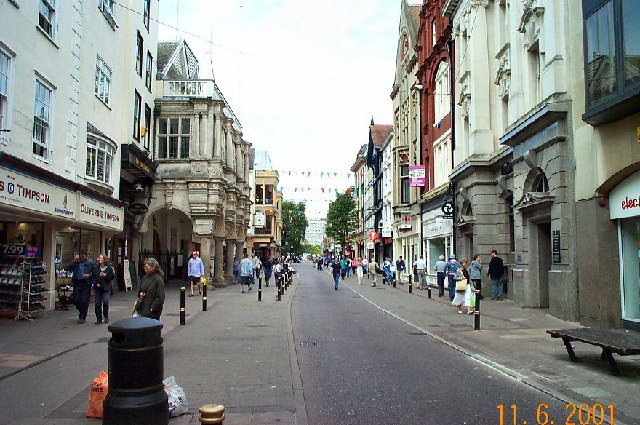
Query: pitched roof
x,y
379,133
176,61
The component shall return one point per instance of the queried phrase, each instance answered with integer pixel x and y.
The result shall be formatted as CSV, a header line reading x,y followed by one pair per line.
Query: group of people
x,y
87,276
463,278
248,269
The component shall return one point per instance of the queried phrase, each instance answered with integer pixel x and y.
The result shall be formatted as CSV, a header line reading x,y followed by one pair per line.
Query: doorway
x,y
544,262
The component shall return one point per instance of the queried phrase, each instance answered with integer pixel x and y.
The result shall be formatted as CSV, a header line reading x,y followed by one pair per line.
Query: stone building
x,y
361,177
264,236
200,199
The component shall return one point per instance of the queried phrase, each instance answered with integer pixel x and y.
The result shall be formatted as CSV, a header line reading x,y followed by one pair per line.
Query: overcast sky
x,y
303,77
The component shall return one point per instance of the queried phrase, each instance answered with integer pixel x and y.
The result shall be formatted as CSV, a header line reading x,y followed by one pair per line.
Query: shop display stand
x,y
32,287
64,288
10,283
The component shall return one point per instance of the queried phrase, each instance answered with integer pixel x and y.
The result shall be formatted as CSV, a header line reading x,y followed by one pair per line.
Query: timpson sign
x,y
624,200
20,191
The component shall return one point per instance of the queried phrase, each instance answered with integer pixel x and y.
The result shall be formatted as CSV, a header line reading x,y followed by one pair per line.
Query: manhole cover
x,y
307,343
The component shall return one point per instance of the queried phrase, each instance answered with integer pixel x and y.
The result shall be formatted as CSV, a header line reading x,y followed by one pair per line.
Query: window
x,y
434,35
103,80
173,138
137,105
404,184
41,123
148,73
46,18
612,59
268,226
106,7
259,194
139,53
441,101
147,13
5,62
99,159
147,126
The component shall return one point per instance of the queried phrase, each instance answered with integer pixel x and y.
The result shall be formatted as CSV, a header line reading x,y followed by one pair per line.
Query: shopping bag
x,y
99,389
177,397
473,300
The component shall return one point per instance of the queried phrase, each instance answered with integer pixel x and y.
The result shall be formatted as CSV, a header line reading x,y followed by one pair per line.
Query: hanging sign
x,y
259,219
137,208
417,176
405,220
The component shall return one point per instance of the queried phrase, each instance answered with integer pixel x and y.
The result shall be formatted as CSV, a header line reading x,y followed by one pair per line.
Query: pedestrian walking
x,y
236,269
475,273
373,269
268,270
365,266
257,265
103,275
151,292
246,272
462,296
400,269
195,271
451,270
439,268
420,268
337,270
359,270
82,278
496,273
343,267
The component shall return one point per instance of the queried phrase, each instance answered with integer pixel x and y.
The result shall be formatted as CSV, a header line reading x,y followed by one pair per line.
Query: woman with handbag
x,y
103,274
463,288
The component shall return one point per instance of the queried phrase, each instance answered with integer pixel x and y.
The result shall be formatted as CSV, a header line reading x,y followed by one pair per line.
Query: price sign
x,y
13,249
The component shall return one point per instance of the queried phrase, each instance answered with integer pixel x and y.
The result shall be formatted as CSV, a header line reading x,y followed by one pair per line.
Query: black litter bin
x,y
136,367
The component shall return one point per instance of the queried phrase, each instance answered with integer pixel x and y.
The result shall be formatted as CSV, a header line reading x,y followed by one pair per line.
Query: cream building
x,y
361,173
406,147
200,199
65,114
514,170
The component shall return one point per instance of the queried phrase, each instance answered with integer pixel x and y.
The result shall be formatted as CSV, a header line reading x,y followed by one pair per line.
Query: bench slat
x,y
624,344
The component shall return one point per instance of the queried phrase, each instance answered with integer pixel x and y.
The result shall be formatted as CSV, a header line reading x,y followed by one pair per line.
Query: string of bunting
x,y
321,174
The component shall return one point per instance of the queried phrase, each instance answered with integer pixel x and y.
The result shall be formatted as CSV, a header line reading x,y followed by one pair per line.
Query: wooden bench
x,y
611,341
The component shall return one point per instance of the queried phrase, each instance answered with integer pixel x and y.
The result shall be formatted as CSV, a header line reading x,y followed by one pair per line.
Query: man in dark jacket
x,y
83,270
496,273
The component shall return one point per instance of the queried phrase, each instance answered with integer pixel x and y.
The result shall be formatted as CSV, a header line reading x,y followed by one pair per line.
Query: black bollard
x,y
394,279
204,296
428,291
279,285
259,289
136,368
182,304
410,285
476,312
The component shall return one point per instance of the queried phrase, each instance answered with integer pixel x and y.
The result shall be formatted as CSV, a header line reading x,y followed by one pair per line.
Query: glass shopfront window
x,y
70,241
29,234
630,247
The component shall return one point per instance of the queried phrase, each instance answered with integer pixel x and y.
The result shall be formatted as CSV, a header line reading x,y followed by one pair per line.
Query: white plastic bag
x,y
177,398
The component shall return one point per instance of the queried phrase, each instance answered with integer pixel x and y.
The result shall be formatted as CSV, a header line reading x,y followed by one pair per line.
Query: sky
x,y
304,78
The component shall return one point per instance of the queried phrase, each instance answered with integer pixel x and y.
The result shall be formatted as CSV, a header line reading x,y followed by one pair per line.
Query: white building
x,y
65,112
315,232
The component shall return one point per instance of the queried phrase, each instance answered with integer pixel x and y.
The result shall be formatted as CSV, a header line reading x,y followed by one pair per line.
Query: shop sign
x,y
386,233
624,200
138,208
405,220
417,176
20,191
371,245
96,212
555,238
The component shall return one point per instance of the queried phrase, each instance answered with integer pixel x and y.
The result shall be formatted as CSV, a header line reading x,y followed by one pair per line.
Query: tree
x,y
312,249
294,224
342,219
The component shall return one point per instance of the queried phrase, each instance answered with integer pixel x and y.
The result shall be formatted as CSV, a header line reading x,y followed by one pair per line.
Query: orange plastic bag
x,y
99,389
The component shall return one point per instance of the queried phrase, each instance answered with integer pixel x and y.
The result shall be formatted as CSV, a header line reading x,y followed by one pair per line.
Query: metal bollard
x,y
428,291
279,284
394,279
259,289
204,296
136,368
410,285
476,312
182,304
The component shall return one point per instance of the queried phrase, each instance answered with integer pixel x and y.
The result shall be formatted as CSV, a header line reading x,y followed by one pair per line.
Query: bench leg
x,y
572,354
612,363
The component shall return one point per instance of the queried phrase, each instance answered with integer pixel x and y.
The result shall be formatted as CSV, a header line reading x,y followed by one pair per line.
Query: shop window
x,y
30,235
70,241
630,233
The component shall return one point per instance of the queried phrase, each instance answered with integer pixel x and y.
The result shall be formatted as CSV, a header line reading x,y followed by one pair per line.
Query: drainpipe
x,y
452,81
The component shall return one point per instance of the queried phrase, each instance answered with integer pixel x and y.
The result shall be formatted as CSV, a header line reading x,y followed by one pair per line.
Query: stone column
x,y
206,253
229,146
218,274
218,136
240,249
228,273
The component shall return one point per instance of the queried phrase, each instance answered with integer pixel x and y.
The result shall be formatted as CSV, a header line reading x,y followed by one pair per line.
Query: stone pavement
x,y
513,341
241,353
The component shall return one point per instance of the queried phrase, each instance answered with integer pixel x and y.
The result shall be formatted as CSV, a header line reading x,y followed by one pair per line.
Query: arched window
x,y
540,184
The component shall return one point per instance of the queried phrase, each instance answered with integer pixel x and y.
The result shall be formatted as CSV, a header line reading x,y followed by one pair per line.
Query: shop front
x,y
624,202
437,231
46,219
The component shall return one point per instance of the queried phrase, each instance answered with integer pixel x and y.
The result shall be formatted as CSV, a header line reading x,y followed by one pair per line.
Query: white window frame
x,y
180,138
5,96
146,15
148,76
49,15
106,7
139,53
103,80
100,155
137,114
147,125
442,105
42,114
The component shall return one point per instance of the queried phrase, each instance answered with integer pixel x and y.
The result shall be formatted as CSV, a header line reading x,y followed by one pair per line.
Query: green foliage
x,y
294,224
312,249
342,219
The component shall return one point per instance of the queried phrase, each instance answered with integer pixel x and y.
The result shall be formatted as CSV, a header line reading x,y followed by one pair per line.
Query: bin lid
x,y
135,332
